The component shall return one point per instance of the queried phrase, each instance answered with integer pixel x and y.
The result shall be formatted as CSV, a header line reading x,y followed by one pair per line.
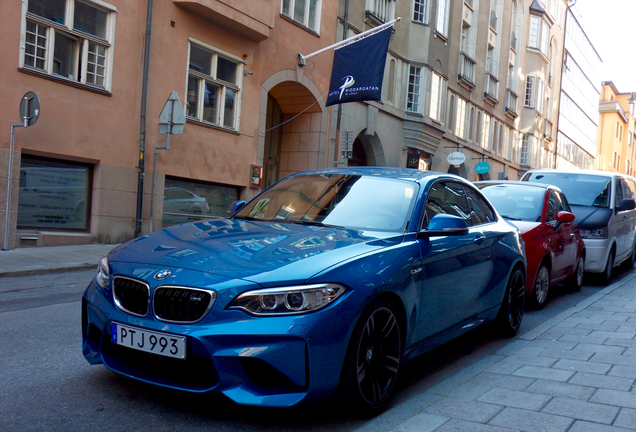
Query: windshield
x,y
516,202
579,189
349,201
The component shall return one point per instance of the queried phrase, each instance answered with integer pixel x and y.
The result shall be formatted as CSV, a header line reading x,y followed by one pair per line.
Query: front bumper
x,y
597,251
263,361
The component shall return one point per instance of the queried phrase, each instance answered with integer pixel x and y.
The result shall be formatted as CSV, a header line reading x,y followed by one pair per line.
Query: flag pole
x,y
303,58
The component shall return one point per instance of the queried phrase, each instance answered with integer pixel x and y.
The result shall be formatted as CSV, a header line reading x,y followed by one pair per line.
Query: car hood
x,y
591,217
259,252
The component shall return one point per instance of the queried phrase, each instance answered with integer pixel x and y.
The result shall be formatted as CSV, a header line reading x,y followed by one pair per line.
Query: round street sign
x,y
29,109
456,158
482,167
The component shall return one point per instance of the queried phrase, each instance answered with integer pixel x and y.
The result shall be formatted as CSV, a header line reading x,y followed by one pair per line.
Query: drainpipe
x,y
142,123
345,31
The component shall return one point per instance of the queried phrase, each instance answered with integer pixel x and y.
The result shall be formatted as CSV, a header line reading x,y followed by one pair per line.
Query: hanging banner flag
x,y
358,69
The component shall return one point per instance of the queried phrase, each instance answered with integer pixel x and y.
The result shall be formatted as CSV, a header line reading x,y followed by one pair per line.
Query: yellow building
x,y
615,136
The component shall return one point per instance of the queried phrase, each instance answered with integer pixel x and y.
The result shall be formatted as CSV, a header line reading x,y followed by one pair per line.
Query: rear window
x,y
579,189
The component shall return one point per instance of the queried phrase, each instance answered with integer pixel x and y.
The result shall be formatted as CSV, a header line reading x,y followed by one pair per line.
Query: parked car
x,y
555,251
605,209
329,279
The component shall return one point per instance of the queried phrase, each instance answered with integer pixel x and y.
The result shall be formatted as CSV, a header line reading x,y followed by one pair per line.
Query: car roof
x,y
577,171
516,182
410,174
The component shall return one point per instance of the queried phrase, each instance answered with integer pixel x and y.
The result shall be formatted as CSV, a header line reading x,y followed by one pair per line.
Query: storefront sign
x,y
456,158
413,159
482,168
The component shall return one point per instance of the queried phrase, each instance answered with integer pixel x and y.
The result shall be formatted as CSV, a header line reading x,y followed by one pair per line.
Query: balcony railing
x,y
492,88
384,10
511,104
466,75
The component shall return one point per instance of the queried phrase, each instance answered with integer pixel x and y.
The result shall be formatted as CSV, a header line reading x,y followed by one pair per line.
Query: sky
x,y
608,24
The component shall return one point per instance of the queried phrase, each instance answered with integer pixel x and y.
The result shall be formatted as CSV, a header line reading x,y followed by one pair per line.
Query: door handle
x,y
479,239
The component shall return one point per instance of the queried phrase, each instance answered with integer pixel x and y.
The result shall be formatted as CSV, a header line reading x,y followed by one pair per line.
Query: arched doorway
x,y
293,134
359,156
273,140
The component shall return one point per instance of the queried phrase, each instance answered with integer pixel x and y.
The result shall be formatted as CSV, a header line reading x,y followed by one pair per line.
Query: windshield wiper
x,y
510,217
314,223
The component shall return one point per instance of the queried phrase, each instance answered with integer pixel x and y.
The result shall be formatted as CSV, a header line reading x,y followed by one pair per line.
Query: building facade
x,y
615,137
578,108
83,172
478,79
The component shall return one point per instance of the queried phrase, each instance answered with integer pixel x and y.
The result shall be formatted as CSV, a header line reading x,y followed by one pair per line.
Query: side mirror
x,y
564,217
626,204
235,207
444,225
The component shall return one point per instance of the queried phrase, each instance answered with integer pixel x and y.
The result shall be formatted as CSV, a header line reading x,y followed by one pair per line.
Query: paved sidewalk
x,y
574,373
24,261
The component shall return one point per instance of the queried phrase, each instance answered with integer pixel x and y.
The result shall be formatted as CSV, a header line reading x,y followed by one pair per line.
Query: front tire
x,y
373,360
541,287
576,280
606,276
511,310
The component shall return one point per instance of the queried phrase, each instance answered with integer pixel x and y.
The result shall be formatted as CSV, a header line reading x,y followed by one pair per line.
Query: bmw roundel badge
x,y
162,274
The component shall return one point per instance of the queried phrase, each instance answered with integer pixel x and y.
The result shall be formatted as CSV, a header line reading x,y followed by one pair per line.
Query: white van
x,y
604,204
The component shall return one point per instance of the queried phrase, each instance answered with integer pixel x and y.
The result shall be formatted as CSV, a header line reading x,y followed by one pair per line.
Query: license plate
x,y
148,341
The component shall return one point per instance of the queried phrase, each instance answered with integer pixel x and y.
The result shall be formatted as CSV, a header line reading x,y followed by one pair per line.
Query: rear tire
x,y
606,276
511,310
541,287
629,262
575,282
373,360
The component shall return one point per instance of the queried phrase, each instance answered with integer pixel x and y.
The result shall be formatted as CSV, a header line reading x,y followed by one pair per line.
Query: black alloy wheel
x,y
511,310
373,359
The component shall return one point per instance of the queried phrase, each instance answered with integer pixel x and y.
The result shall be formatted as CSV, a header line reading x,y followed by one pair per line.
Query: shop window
x,y
187,200
53,194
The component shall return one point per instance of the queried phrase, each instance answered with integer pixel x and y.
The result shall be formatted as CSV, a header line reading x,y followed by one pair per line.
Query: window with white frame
x,y
305,12
528,100
540,96
420,11
214,84
526,144
460,118
413,103
436,97
539,34
70,39
485,132
441,24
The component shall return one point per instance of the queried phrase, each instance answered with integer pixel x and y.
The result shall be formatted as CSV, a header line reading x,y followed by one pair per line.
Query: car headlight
x,y
288,300
103,275
596,233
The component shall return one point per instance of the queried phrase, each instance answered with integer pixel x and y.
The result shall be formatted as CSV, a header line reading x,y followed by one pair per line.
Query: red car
x,y
554,248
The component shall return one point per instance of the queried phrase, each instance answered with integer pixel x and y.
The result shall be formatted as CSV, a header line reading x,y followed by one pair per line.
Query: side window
x,y
554,206
632,187
449,198
625,187
619,193
481,212
564,201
